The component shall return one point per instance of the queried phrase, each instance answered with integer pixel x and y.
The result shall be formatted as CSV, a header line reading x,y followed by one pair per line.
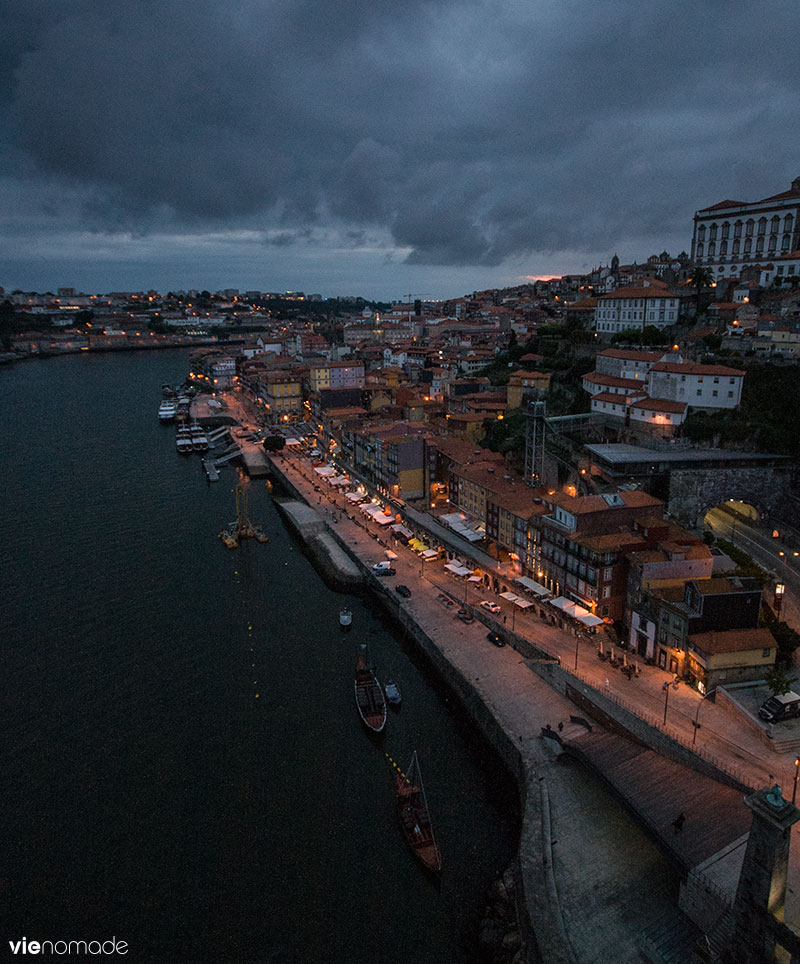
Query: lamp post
x,y
697,714
665,687
796,771
780,589
577,641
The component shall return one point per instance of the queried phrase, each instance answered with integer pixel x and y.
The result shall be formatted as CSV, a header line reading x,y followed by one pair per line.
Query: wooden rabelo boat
x,y
370,700
414,816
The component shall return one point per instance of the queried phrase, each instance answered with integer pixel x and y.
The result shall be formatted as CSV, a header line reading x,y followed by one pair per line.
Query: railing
x,y
667,730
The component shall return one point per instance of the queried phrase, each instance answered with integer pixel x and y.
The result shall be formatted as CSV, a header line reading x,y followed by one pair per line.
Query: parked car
x,y
384,564
385,571
779,708
493,607
465,616
496,638
403,590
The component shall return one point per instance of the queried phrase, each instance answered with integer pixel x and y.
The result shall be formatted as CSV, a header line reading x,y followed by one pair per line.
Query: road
x,y
780,556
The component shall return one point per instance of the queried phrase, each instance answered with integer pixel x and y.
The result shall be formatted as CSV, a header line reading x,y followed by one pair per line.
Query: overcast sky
x,y
379,148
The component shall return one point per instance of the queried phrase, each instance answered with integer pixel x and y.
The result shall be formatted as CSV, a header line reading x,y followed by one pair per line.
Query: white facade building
x,y
700,386
651,303
731,235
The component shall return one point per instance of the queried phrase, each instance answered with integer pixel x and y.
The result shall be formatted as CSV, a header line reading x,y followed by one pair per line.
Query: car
x,y
465,615
403,590
385,571
496,638
493,607
379,566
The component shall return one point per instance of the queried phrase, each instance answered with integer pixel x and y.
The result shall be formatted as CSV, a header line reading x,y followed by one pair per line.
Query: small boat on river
x,y
414,816
370,700
392,691
345,619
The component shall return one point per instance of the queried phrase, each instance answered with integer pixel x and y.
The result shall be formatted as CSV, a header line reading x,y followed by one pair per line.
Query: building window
x,y
737,229
699,391
713,232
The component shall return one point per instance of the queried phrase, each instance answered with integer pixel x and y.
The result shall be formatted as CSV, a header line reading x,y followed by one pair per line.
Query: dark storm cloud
x,y
474,131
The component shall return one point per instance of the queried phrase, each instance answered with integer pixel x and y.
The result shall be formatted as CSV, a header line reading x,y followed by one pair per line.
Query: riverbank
x,y
571,907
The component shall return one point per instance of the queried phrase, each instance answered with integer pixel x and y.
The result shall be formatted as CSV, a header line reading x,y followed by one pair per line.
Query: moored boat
x,y
167,410
183,441
370,700
199,439
392,691
345,619
414,816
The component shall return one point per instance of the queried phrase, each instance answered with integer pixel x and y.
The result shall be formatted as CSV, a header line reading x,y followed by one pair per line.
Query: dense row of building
x,y
402,400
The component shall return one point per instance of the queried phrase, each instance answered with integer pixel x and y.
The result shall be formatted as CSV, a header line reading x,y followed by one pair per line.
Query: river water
x,y
183,765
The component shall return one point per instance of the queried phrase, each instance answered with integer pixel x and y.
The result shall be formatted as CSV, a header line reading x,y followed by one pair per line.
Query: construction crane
x,y
242,528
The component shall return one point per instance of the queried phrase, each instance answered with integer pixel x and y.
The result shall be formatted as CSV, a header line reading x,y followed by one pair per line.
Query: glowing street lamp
x,y
666,687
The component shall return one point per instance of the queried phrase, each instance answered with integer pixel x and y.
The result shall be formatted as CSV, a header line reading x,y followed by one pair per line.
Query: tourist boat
x,y
414,816
345,619
167,410
183,441
369,695
168,391
392,691
199,439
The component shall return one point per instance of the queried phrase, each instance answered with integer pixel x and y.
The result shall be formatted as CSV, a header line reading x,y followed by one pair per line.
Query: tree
x,y
701,278
274,443
777,680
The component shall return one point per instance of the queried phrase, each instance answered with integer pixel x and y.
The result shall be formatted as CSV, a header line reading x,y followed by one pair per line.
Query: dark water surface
x,y
183,765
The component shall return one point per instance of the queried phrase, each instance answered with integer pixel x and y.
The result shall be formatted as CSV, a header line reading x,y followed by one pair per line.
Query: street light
x,y
780,589
796,771
578,638
697,714
665,687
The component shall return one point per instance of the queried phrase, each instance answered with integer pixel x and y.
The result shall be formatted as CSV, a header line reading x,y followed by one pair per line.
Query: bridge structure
x,y
692,481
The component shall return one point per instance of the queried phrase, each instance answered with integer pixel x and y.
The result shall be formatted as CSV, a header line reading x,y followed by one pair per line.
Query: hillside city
x,y
613,454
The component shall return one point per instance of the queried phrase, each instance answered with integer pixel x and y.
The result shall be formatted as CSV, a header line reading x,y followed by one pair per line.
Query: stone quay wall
x,y
526,868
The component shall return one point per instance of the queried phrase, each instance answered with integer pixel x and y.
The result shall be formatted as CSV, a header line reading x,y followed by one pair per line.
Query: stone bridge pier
x,y
692,492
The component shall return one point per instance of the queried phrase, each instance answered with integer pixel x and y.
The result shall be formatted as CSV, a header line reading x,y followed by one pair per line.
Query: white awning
x,y
509,596
561,602
355,496
458,570
383,520
590,620
401,530
532,586
293,441
521,603
429,554
474,579
325,470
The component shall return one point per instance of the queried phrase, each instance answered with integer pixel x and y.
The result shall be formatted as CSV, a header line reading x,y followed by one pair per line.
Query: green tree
x,y
274,443
777,680
701,278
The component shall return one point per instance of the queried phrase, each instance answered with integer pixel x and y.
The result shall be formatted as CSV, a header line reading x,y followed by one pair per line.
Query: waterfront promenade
x,y
592,879
585,864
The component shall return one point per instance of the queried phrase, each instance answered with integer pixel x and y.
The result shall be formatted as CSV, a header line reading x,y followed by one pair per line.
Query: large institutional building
x,y
732,235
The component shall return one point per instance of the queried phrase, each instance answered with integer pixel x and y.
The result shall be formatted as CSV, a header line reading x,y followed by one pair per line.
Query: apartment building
x,y
732,235
636,307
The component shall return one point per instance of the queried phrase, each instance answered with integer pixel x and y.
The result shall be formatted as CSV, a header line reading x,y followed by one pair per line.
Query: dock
x,y
211,470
